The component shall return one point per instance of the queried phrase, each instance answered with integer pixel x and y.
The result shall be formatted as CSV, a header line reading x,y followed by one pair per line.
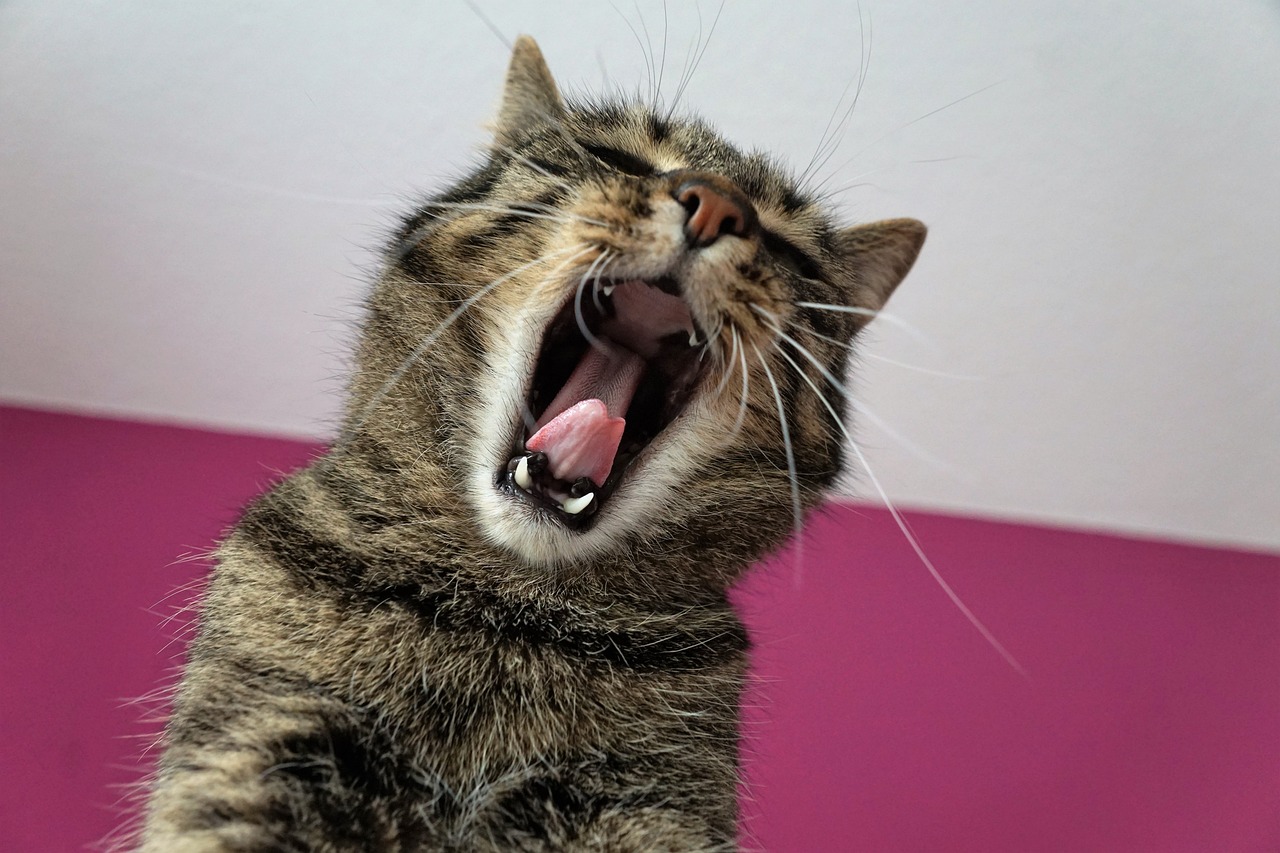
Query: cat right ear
x,y
530,97
879,255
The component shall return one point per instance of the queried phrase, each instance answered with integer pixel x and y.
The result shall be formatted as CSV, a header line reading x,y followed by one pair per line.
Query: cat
x,y
598,378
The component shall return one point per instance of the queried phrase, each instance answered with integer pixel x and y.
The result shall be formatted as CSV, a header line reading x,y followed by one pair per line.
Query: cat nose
x,y
716,207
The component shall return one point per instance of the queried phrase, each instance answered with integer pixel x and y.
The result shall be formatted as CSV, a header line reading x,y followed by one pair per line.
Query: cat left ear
x,y
530,97
880,255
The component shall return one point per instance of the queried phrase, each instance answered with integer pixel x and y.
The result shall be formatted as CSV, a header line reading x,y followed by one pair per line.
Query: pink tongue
x,y
580,442
582,428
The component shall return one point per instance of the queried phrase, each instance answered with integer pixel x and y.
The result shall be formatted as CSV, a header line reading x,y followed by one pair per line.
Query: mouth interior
x,y
618,364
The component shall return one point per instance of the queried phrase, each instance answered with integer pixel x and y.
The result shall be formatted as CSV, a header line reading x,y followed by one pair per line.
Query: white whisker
x,y
264,189
493,28
742,406
525,161
420,350
966,377
577,302
928,564
906,531
915,367
528,210
662,65
867,312
797,515
655,77
688,78
827,147
644,54
859,407
727,363
903,127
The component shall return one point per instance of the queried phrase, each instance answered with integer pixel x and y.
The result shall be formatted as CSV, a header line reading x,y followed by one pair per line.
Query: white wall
x,y
188,191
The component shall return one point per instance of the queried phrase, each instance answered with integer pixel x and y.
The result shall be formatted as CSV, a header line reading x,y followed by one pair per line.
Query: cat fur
x,y
394,654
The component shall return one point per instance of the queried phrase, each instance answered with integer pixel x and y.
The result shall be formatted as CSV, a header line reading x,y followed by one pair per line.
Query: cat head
x,y
621,334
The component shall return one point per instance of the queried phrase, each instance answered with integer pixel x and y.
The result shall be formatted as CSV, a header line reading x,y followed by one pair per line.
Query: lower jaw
x,y
574,505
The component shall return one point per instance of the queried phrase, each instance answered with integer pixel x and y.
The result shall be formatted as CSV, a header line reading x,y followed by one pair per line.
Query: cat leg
x,y
299,775
650,830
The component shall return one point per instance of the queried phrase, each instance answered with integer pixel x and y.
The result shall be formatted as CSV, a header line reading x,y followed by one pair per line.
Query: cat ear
x,y
530,96
880,255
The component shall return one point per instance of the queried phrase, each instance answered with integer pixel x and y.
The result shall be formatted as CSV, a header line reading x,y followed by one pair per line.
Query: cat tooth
x,y
693,339
607,290
523,480
573,506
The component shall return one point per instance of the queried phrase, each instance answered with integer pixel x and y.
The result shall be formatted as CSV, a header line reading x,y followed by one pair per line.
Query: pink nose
x,y
715,207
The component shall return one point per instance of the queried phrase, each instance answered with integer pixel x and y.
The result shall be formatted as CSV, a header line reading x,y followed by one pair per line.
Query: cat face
x,y
623,326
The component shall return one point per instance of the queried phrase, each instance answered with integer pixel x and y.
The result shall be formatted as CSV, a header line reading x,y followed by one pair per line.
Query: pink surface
x,y
881,722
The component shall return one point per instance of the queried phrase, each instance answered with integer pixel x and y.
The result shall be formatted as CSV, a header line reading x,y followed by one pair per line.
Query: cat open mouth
x,y
618,364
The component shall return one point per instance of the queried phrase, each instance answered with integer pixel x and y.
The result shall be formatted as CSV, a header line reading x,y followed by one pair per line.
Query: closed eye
x,y
620,160
791,256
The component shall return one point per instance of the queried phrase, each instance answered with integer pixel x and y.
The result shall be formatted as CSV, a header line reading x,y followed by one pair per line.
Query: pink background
x,y
880,719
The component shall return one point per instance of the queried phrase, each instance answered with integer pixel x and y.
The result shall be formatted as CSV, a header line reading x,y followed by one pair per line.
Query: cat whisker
x,y
533,166
742,405
711,343
831,138
529,210
891,319
662,65
646,54
853,183
864,63
687,78
493,28
261,188
903,127
686,67
421,349
727,364
407,244
860,408
917,368
655,82
928,564
857,181
551,176
793,474
965,377
902,524
596,287
603,258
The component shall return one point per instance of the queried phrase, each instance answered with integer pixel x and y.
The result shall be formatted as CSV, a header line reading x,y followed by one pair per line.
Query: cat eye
x,y
620,160
790,256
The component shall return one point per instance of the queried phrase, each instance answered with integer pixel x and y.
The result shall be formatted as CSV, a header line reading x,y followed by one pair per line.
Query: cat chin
x,y
648,500
528,532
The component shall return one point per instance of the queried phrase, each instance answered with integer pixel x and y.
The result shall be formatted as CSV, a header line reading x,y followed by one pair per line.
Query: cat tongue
x,y
580,442
582,428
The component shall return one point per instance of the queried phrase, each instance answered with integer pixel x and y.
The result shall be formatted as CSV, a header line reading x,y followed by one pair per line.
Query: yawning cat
x,y
598,378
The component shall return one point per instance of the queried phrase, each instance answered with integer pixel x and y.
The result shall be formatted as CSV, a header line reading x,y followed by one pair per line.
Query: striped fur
x,y
394,655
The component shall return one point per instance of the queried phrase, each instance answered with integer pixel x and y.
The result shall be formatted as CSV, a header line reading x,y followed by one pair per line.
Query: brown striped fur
x,y
394,654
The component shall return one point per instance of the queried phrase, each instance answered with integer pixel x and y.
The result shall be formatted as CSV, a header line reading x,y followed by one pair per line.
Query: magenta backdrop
x,y
879,719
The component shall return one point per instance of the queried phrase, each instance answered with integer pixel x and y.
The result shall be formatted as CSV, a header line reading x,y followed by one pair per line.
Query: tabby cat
x,y
599,377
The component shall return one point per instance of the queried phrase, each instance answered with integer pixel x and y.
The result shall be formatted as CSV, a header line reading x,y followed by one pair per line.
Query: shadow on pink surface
x,y
879,720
